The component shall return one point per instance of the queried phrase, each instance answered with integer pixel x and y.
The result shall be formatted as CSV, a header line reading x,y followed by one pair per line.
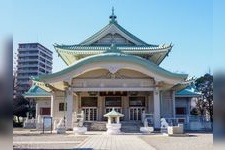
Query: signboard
x,y
47,124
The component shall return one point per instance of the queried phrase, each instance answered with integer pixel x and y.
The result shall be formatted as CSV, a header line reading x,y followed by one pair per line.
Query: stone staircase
x,y
95,125
127,126
131,126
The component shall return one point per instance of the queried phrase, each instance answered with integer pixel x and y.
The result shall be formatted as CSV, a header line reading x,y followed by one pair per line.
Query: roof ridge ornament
x,y
112,17
113,49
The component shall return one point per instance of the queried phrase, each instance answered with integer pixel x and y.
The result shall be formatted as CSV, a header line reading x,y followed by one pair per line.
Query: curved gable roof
x,y
115,58
116,27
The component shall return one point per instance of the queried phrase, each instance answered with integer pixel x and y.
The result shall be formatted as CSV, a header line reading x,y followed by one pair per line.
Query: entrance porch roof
x,y
110,59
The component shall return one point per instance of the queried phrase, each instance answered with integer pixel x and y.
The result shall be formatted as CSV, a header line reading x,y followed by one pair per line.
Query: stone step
x,y
131,126
126,126
95,126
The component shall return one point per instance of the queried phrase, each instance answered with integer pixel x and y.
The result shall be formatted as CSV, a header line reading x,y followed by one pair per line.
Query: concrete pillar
x,y
109,120
100,108
174,103
125,107
150,104
76,109
37,110
156,95
117,120
52,104
69,111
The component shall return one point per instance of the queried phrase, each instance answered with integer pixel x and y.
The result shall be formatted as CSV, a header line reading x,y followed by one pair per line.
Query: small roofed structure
x,y
189,91
113,126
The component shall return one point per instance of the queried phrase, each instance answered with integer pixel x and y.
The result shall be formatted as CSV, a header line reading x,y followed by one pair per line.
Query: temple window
x,y
181,111
45,111
113,101
62,107
137,101
89,101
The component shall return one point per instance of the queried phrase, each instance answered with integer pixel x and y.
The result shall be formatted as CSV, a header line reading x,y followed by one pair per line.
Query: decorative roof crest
x,y
112,17
113,49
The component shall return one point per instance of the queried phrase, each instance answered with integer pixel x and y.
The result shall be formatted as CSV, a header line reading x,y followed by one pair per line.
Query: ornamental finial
x,y
112,11
112,17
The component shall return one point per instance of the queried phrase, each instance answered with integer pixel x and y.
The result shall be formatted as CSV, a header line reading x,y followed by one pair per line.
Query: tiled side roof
x,y
189,91
36,91
71,53
105,47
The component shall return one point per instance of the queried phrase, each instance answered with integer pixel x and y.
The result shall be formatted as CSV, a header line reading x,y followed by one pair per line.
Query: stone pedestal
x,y
113,128
29,125
61,130
79,130
146,129
176,129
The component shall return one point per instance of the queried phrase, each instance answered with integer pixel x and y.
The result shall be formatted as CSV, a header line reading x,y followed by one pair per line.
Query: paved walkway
x,y
115,142
91,140
100,141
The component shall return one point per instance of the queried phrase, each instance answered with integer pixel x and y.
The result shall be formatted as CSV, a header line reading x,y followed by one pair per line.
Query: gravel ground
x,y
200,141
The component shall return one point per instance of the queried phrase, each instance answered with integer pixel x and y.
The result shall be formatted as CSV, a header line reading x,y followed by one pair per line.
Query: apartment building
x,y
33,59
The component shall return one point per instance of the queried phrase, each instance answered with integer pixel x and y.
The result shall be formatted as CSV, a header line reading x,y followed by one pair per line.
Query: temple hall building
x,y
113,69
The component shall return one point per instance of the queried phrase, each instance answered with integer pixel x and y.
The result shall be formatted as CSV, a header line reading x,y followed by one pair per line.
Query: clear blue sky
x,y
188,24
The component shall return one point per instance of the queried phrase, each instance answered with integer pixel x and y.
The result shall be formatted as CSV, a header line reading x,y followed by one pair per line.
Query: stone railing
x,y
29,123
190,122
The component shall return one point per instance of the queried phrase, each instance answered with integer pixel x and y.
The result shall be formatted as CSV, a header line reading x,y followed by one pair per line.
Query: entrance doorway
x,y
90,113
135,113
136,107
89,106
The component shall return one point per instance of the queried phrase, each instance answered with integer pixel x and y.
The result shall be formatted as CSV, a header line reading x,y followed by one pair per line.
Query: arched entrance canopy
x,y
113,62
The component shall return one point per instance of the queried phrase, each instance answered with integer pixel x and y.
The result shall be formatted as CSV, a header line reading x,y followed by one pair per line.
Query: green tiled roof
x,y
117,57
88,41
72,53
113,113
36,91
100,48
189,91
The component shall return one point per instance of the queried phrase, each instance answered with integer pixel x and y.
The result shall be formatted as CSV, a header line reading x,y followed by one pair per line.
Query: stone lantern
x,y
113,126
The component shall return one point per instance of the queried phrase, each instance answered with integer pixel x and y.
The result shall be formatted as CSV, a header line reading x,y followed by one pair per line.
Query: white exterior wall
x,y
59,98
42,102
183,102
